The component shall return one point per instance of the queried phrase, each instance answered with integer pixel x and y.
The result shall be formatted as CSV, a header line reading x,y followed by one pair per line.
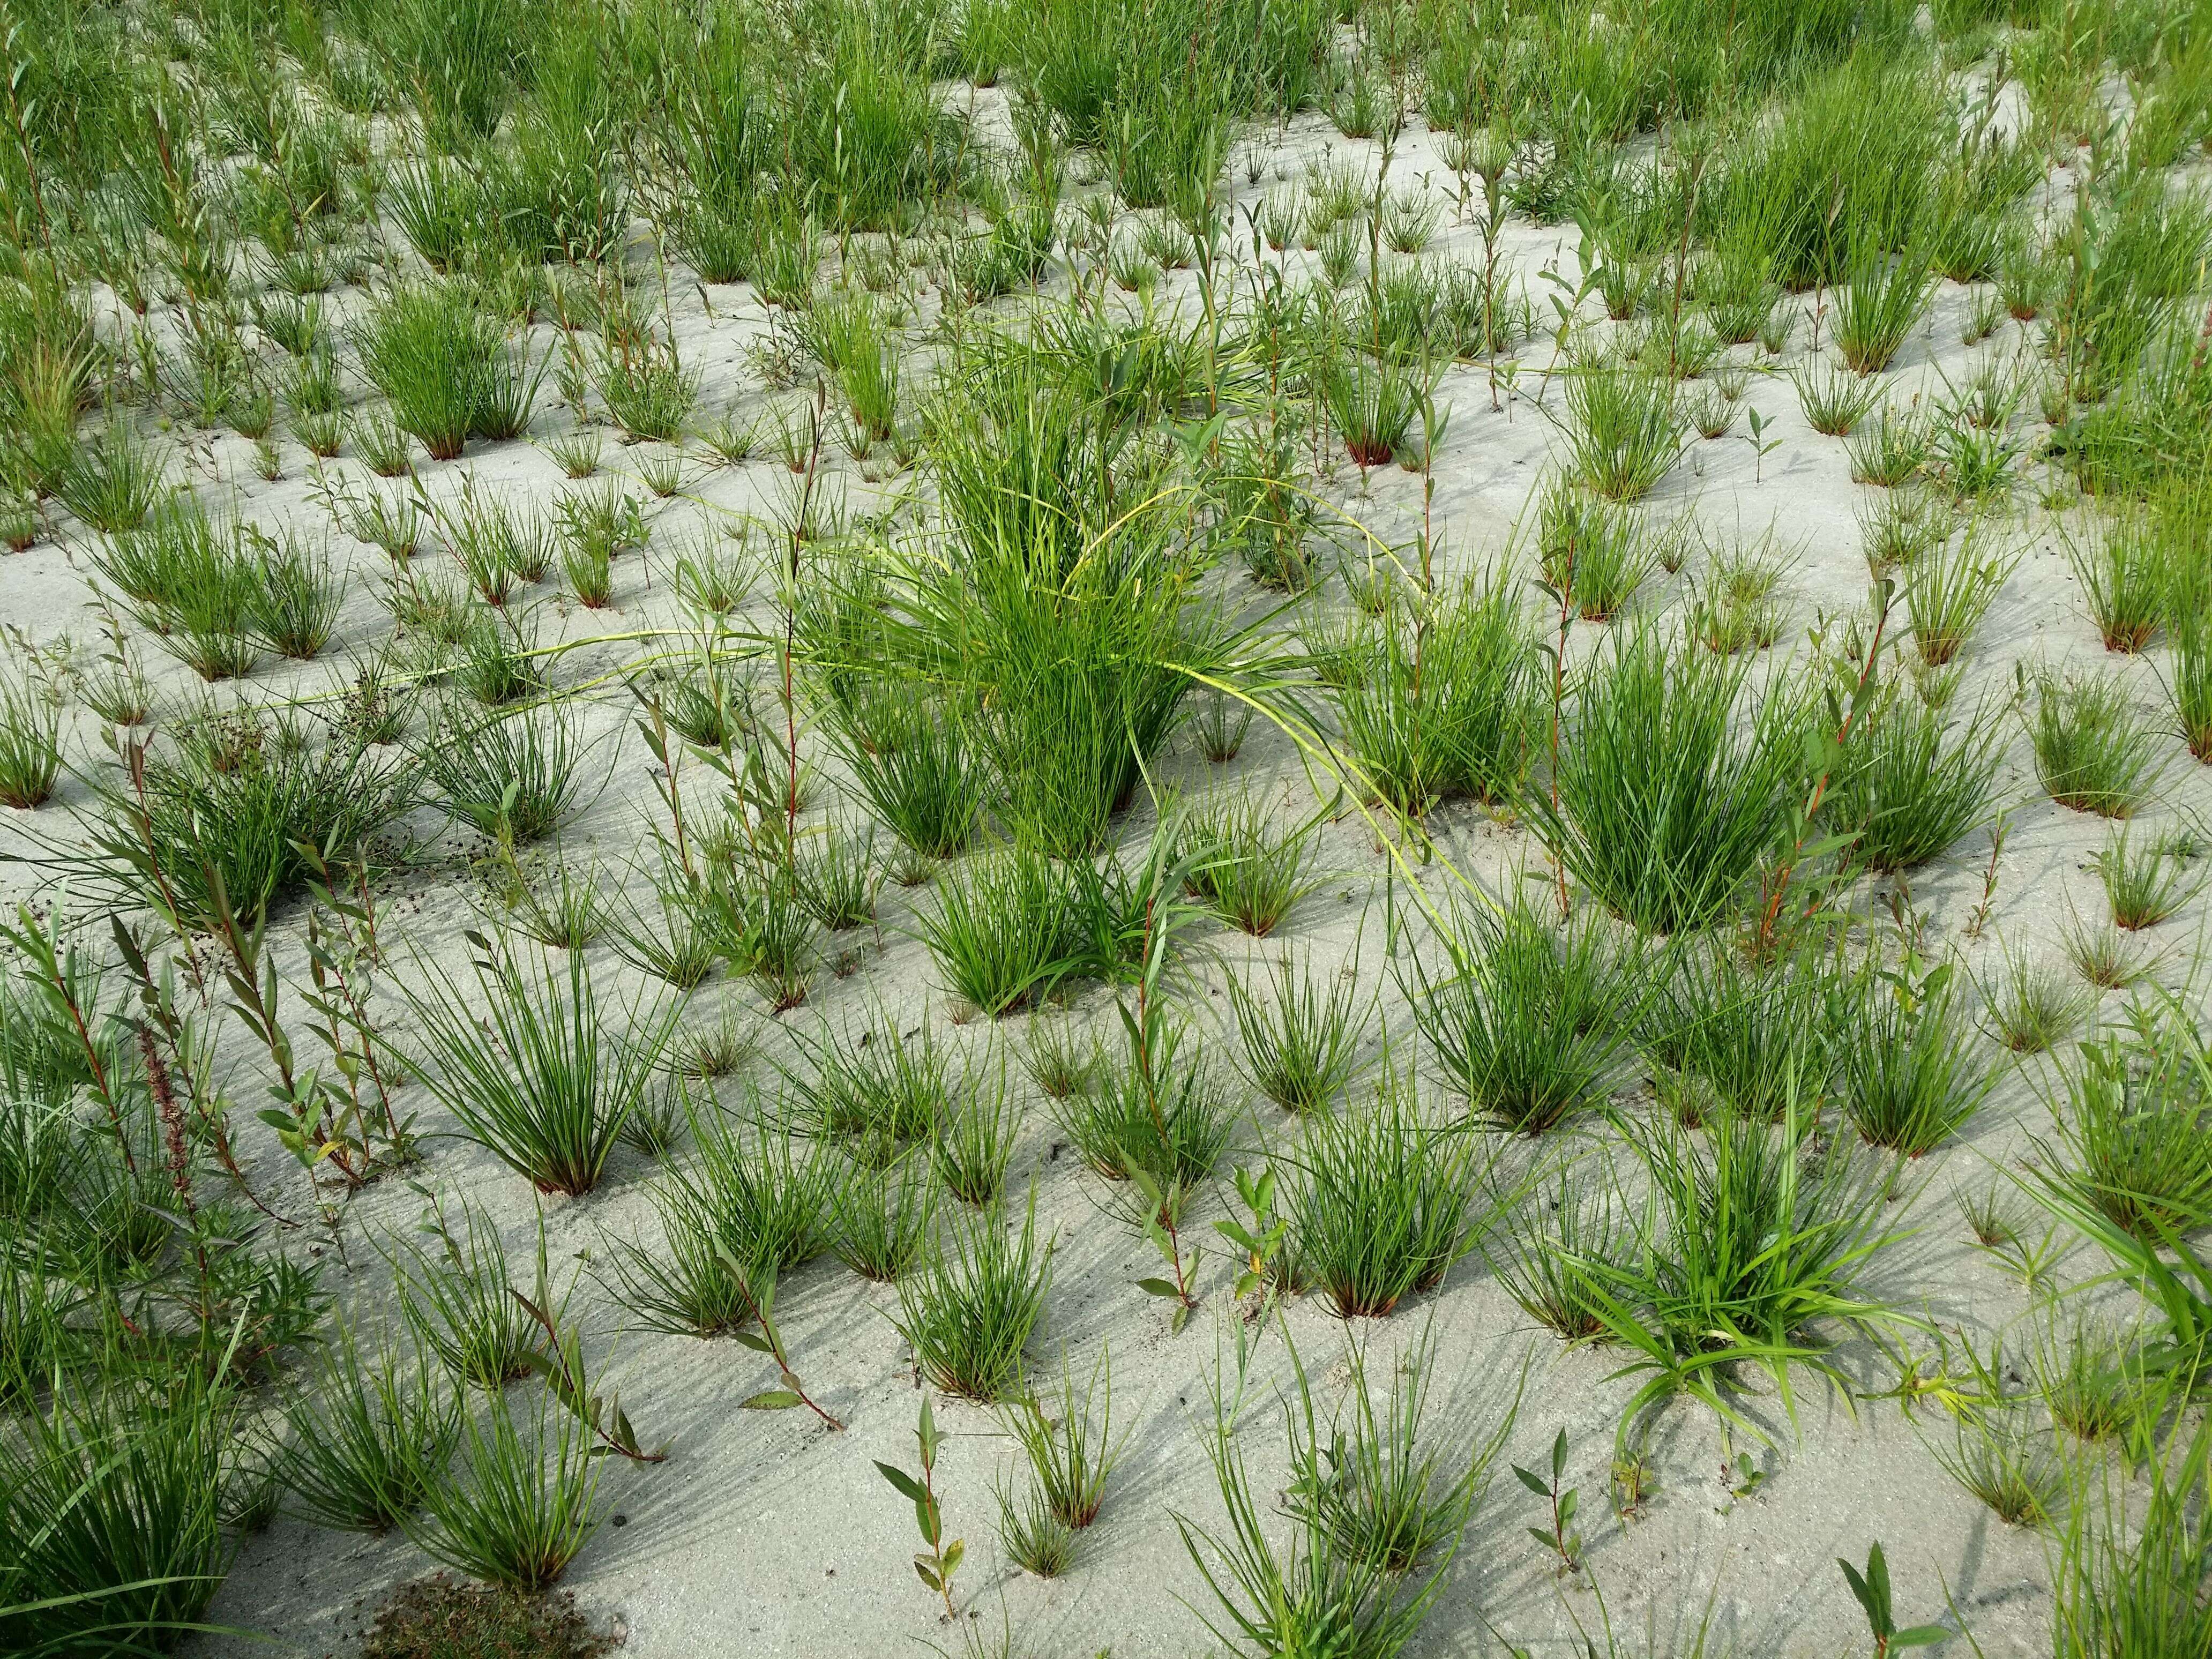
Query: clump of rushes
x,y
1385,1492
746,1197
2002,1450
1300,1047
2090,1375
1378,1207
1624,432
1663,802
2191,686
30,740
913,768
2146,883
1271,1592
295,595
2138,1123
368,1437
442,359
1877,304
1890,453
2123,567
523,1499
1752,1238
1440,702
975,1142
1057,602
190,836
1910,1074
1549,1250
2130,1571
1595,553
113,1540
461,1302
878,1091
1061,1060
968,1313
1000,934
1833,403
1245,873
1160,1112
514,776
1755,1034
2032,1003
2093,750
542,1083
1071,1454
1950,589
881,1218
1913,782
1529,1021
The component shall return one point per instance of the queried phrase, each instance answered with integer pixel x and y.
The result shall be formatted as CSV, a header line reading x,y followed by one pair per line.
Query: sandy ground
x,y
766,1534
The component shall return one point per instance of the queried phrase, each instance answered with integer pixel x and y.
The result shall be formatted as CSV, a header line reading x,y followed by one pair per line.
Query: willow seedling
x,y
1562,1537
935,1566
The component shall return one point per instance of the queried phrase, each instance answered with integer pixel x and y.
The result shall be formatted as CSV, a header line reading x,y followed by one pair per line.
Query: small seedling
x,y
1634,1480
1561,1537
1761,445
1872,1590
561,1363
1743,1476
935,1566
757,1285
1261,1238
1162,1232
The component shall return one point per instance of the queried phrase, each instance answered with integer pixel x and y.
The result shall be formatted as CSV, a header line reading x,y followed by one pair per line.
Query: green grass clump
x,y
1330,1575
1247,874
1002,933
2146,882
968,1312
1300,1047
2137,1122
915,769
514,776
1378,1205
2031,1004
442,359
1758,1037
1624,432
30,741
1913,782
459,1299
1529,1021
1058,605
548,1079
368,1437
882,1220
1441,707
748,1198
1754,1242
211,832
1668,802
1910,1071
1167,1118
2093,750
113,1518
976,1140
523,1498
1550,1250
879,1092
1878,303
